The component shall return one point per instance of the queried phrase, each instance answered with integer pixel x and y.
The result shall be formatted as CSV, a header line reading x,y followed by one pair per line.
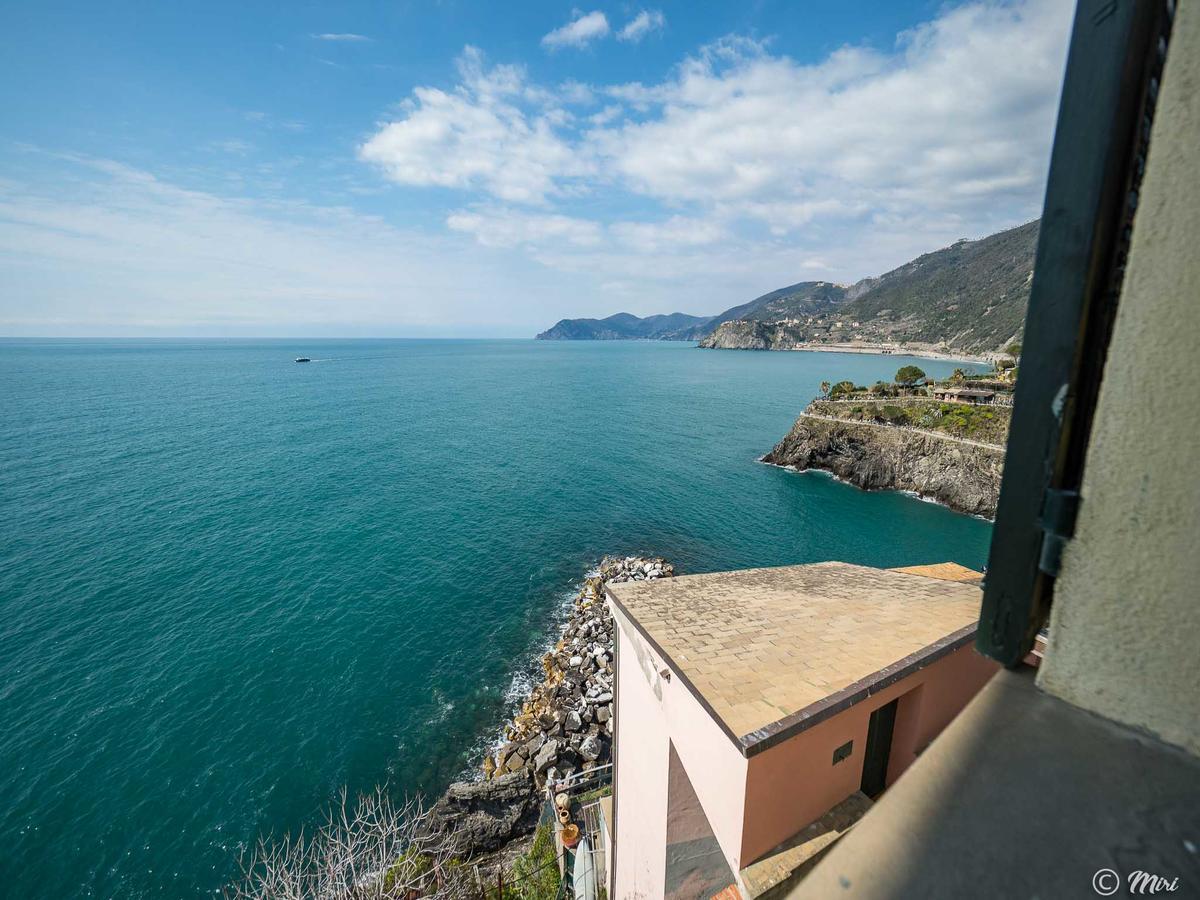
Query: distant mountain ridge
x,y
626,327
970,296
795,298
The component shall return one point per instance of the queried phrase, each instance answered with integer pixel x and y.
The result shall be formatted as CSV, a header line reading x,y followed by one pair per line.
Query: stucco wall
x,y
652,713
640,780
1127,605
923,713
795,782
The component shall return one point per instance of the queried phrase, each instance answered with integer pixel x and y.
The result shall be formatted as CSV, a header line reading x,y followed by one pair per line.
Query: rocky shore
x,y
965,477
565,726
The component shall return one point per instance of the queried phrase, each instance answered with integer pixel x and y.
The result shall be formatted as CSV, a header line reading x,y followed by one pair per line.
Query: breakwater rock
x,y
564,726
964,476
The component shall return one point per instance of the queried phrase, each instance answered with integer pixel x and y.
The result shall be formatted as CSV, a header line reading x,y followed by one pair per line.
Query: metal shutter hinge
x,y
1059,512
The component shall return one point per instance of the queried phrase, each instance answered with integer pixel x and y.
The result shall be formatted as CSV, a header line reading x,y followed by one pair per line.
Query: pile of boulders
x,y
566,725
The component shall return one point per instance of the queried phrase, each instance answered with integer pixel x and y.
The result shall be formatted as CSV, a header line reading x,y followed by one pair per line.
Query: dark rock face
x,y
482,816
963,476
744,335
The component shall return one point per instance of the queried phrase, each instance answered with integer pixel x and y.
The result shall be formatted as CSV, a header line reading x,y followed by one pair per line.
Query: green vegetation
x,y
844,389
534,874
973,294
909,375
410,868
988,424
605,790
1013,349
981,423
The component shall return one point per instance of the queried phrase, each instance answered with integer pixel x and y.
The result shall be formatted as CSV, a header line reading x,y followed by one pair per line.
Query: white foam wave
x,y
526,676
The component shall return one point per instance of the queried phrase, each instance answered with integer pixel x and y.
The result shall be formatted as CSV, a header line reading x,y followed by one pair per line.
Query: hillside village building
x,y
975,396
760,712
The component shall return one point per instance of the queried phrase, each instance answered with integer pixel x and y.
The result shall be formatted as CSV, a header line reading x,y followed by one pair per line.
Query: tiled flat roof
x,y
770,652
947,571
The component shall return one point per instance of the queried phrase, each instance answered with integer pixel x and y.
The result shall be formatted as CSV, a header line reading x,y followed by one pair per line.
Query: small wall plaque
x,y
843,752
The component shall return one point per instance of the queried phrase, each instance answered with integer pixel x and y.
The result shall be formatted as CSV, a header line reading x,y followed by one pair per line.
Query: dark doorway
x,y
879,748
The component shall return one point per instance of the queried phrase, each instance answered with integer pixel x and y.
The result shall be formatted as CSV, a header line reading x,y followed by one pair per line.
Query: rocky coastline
x,y
963,476
564,726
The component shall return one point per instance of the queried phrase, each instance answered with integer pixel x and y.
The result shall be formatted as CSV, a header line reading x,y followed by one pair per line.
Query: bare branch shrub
x,y
371,849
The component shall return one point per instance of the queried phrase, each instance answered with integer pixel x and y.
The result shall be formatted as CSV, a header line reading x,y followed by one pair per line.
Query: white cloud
x,y
496,226
742,170
92,247
579,32
576,92
342,37
674,233
95,247
642,24
605,116
510,228
862,158
482,135
956,121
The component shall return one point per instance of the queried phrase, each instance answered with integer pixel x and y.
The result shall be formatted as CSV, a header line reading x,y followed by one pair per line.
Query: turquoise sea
x,y
231,585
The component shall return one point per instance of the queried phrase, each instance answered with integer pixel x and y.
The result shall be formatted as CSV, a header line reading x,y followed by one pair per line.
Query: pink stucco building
x,y
759,712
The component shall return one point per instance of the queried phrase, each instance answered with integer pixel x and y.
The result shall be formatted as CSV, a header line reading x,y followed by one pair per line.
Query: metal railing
x,y
588,817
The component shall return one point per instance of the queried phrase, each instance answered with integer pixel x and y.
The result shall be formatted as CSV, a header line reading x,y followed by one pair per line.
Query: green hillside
x,y
972,294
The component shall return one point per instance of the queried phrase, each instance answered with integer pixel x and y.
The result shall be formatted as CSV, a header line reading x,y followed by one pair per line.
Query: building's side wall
x,y
796,782
1127,605
640,779
714,765
942,690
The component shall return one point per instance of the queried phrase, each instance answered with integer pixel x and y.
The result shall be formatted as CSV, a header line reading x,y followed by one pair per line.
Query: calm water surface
x,y
230,584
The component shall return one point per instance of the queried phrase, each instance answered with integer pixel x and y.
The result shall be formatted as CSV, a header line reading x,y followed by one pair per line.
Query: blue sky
x,y
476,169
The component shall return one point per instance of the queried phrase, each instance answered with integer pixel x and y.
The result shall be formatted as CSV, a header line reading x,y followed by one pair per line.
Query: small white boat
x,y
303,359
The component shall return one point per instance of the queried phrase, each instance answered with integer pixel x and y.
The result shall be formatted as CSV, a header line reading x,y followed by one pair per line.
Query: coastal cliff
x,y
749,335
963,475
